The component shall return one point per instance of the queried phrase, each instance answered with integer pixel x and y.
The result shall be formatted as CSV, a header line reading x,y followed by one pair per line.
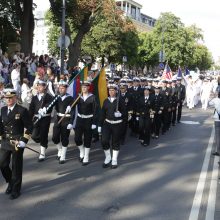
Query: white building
x,y
132,9
40,45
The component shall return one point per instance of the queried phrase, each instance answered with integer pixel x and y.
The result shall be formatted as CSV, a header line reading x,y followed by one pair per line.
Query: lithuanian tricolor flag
x,y
100,87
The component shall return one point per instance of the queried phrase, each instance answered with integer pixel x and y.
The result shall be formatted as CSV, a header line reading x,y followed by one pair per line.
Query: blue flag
x,y
187,72
179,74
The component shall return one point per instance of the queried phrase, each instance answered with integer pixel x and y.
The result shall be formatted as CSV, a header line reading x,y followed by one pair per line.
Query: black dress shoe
x,y
14,195
8,190
114,166
216,154
104,165
41,160
80,159
62,161
95,140
146,145
85,163
58,158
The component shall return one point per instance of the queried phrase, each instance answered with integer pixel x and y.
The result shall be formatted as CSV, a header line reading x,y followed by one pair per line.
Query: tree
x,y
108,34
180,44
81,14
17,15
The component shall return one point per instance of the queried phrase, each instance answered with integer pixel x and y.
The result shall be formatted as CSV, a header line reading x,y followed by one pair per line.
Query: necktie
x,y
9,111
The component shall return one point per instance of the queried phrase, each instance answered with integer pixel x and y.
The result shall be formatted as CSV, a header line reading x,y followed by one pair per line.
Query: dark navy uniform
x,y
12,126
127,98
86,118
174,104
167,101
136,93
181,95
113,114
145,106
41,128
60,131
158,108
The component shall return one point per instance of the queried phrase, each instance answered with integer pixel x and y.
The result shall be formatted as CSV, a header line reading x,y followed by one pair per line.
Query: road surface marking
x,y
194,214
190,122
210,212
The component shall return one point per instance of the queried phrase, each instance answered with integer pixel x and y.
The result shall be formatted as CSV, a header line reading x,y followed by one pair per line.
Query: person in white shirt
x,y
15,78
216,103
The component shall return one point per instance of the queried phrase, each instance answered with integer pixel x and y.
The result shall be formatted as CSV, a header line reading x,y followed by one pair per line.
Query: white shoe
x,y
115,159
42,154
108,158
63,155
59,148
86,157
81,152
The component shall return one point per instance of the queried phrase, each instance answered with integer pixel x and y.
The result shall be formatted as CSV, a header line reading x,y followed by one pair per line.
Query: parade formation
x,y
142,107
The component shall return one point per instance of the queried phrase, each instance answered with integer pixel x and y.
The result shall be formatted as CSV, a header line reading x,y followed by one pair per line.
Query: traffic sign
x,y
67,41
161,65
124,59
112,67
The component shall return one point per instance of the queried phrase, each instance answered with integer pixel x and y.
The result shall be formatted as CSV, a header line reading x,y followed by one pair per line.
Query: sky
x,y
205,14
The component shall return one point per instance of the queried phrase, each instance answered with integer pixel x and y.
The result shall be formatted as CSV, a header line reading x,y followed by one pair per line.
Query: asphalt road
x,y
154,183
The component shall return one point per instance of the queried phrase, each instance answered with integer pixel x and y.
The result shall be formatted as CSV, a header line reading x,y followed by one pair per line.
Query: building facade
x,y
40,45
132,9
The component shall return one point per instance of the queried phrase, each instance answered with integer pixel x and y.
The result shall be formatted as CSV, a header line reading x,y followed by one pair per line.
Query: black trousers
x,y
124,130
165,120
179,111
60,134
145,129
157,124
13,175
41,130
83,128
173,112
111,132
134,124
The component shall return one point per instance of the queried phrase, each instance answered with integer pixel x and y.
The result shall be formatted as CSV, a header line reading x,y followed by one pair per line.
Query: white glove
x,y
44,110
117,114
137,118
93,127
160,112
69,126
68,109
21,144
129,117
99,129
40,111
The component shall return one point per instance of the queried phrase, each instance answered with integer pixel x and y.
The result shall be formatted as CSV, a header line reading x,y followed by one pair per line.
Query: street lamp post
x,y
63,37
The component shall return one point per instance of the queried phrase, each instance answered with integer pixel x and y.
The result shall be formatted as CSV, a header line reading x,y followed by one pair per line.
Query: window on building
x,y
42,42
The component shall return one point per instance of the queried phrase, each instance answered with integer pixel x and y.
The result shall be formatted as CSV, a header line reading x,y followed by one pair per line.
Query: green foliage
x,y
180,44
9,24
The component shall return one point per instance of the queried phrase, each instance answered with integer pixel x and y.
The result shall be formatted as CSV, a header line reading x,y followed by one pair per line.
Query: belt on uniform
x,y
113,122
11,136
65,115
46,115
85,116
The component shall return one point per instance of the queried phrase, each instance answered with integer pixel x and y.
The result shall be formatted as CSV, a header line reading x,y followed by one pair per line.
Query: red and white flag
x,y
167,73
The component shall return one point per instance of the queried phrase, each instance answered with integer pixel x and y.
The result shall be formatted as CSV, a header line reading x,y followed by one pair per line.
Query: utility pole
x,y
62,52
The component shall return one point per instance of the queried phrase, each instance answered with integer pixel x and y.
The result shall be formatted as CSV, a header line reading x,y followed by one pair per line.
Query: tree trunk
x,y
75,47
27,27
